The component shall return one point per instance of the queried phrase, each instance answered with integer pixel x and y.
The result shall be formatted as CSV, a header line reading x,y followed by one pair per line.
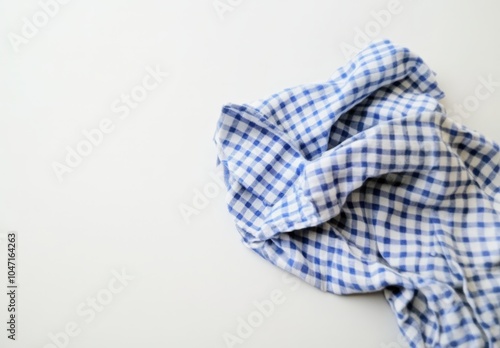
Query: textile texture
x,y
362,183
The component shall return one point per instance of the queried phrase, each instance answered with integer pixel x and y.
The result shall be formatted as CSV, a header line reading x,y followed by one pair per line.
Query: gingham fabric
x,y
362,183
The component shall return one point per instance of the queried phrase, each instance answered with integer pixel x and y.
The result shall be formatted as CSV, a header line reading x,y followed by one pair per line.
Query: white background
x,y
119,209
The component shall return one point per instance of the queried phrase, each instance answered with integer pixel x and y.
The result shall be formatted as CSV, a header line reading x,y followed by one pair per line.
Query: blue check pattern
x,y
362,184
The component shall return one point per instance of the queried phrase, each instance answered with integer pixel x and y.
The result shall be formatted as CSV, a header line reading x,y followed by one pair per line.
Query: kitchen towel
x,y
362,183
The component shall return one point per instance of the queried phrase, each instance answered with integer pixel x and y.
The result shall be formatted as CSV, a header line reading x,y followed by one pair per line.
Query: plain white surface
x,y
119,209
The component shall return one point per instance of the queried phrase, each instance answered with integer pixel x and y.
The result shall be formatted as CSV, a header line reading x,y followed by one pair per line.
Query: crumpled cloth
x,y
362,183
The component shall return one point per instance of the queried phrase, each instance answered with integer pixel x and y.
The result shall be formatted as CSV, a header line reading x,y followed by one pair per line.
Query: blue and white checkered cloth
x,y
362,183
